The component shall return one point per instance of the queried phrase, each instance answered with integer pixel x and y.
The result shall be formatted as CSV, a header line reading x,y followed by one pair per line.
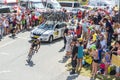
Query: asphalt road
x,y
46,64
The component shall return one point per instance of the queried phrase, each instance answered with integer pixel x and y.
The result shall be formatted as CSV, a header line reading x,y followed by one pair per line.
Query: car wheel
x,y
50,39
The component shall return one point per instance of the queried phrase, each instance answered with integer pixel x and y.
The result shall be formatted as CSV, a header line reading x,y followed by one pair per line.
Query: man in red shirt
x,y
79,15
33,19
78,30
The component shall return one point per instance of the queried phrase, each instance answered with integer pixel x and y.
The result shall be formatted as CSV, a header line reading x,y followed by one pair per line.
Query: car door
x,y
62,29
57,31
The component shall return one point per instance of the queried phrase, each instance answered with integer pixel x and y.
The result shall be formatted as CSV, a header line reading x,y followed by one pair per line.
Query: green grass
x,y
109,77
86,71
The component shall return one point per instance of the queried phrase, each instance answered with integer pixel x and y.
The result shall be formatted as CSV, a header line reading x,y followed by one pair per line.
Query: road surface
x,y
46,65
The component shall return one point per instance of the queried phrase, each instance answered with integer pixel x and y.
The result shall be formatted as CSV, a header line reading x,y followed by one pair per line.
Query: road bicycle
x,y
33,51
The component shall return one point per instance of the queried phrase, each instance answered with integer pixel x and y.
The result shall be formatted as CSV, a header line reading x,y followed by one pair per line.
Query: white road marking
x,y
23,38
13,41
6,71
7,43
4,53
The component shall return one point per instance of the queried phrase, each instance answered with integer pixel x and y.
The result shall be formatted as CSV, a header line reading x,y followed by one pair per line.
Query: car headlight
x,y
44,35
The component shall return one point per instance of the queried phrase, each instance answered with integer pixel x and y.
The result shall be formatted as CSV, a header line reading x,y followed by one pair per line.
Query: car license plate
x,y
36,36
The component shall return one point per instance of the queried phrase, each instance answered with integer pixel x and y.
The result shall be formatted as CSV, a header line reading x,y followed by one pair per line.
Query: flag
x,y
17,0
5,1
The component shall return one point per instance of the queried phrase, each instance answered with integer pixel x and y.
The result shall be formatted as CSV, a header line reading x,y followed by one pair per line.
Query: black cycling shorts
x,y
34,45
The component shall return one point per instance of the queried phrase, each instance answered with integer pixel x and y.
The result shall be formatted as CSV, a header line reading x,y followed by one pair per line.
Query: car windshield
x,y
76,5
46,26
38,5
56,5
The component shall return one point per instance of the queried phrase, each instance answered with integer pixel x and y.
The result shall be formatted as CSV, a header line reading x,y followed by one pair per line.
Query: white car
x,y
49,31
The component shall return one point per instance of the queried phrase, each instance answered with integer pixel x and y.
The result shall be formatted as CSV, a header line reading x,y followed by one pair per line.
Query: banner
x,y
115,60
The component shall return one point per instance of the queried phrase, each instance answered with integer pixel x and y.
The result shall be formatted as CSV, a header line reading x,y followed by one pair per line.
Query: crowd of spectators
x,y
94,41
13,23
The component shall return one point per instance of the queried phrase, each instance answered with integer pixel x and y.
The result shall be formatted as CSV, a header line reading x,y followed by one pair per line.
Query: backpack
x,y
112,72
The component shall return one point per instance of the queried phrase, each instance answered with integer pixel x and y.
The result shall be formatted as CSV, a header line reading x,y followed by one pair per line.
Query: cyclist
x,y
35,46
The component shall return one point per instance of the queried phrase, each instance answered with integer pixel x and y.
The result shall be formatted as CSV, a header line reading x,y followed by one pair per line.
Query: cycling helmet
x,y
35,37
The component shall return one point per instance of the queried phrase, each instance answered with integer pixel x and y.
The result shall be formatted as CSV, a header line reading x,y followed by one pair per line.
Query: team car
x,y
49,31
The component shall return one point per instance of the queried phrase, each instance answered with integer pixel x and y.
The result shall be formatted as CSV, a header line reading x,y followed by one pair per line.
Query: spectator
x,y
93,37
103,43
116,31
107,62
23,21
79,30
118,67
95,62
83,14
6,26
99,17
27,21
74,56
1,28
13,30
84,29
102,68
18,18
117,52
114,48
79,15
64,34
33,19
109,30
79,56
69,38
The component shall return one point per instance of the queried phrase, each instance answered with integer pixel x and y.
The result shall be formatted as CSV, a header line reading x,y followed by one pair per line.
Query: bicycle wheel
x,y
33,51
30,55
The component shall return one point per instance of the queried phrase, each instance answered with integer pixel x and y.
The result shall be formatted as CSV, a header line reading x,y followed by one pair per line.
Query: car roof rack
x,y
55,16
